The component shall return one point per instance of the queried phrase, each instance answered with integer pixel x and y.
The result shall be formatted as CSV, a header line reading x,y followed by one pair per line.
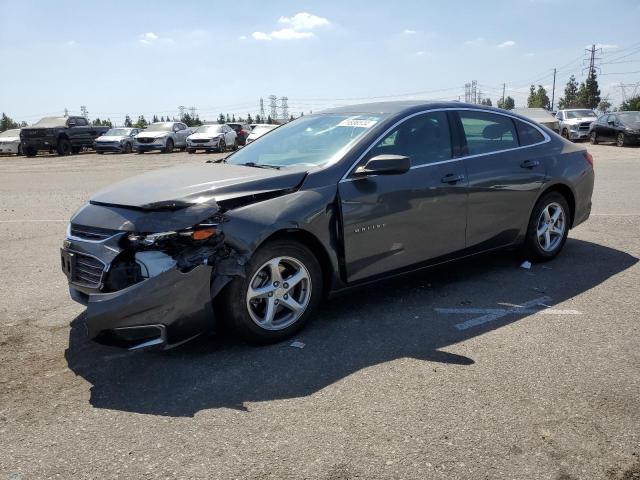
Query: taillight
x,y
588,157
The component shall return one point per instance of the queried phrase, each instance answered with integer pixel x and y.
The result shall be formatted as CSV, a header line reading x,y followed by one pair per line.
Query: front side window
x,y
487,132
424,139
528,134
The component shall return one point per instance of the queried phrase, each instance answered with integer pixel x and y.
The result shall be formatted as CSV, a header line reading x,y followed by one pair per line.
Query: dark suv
x,y
242,130
65,135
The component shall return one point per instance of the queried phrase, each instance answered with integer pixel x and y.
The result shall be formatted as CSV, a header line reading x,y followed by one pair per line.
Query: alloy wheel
x,y
594,138
279,293
620,140
551,227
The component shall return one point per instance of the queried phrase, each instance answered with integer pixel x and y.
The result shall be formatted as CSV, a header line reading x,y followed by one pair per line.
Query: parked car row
x,y
67,135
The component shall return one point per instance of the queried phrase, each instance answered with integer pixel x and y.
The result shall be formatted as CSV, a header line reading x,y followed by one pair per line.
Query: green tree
x,y
233,118
269,119
487,102
228,118
538,98
221,118
141,123
508,103
631,104
127,122
570,99
604,106
249,119
589,92
258,119
7,123
155,119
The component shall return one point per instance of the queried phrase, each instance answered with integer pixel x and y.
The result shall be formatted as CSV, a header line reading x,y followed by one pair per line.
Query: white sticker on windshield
x,y
356,122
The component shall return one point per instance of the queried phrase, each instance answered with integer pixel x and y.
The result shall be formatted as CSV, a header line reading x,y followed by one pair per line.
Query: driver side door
x,y
394,221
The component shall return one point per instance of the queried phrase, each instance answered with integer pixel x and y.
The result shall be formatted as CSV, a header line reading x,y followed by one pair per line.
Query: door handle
x,y
452,178
529,164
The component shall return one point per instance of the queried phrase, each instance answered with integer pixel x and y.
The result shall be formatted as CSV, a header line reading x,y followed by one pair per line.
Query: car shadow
x,y
375,324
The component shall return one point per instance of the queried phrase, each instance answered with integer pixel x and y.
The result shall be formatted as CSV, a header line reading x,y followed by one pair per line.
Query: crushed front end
x,y
147,276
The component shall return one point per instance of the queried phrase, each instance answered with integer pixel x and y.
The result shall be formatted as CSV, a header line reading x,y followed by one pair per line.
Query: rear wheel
x,y
593,138
127,148
63,147
235,145
191,150
620,140
139,152
30,152
168,147
19,149
222,147
548,227
282,287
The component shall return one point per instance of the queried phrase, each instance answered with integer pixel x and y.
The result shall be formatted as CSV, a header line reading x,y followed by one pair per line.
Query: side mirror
x,y
384,165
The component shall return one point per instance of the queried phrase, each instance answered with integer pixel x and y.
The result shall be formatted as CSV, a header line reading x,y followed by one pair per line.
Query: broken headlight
x,y
198,233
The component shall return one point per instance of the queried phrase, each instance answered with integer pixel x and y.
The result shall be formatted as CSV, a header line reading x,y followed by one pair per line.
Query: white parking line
x,y
532,307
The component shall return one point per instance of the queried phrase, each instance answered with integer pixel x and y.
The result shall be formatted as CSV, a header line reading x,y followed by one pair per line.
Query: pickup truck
x,y
64,135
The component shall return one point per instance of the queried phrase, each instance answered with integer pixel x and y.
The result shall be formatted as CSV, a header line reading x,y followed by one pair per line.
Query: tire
x,y
621,141
222,147
19,150
593,138
30,152
128,148
76,150
243,316
235,145
139,152
541,248
99,152
64,147
168,148
191,150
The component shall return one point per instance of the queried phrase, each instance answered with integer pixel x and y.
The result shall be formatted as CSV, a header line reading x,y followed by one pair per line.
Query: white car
x,y
10,141
118,140
163,136
574,123
260,129
212,137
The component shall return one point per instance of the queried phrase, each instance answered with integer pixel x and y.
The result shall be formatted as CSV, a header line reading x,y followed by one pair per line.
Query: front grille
x,y
87,271
585,125
145,140
200,140
33,133
91,233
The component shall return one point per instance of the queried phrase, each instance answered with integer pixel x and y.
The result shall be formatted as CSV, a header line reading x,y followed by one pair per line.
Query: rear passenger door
x,y
505,173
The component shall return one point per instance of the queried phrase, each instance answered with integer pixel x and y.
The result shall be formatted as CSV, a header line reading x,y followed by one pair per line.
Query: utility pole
x,y
83,111
193,112
504,87
66,112
181,109
553,92
467,93
273,107
262,110
285,107
474,91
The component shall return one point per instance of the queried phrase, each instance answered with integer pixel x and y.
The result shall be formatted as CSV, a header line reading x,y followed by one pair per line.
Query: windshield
x,y
580,113
118,132
209,129
11,133
309,140
159,127
51,122
629,117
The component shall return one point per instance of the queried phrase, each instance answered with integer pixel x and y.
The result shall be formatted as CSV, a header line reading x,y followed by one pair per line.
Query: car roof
x,y
400,106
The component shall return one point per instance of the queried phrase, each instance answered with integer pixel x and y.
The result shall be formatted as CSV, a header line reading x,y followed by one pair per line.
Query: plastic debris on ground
x,y
297,344
526,265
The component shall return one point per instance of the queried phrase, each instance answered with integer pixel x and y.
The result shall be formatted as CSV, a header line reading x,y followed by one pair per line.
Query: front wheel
x,y
191,150
620,140
281,289
168,148
127,148
593,138
235,145
548,227
30,152
222,147
63,147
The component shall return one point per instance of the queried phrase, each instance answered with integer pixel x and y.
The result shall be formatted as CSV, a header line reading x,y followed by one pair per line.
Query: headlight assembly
x,y
197,233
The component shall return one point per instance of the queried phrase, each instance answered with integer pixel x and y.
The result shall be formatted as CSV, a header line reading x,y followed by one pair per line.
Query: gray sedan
x,y
118,140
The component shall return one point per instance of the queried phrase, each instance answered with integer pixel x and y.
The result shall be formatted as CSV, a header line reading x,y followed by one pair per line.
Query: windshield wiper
x,y
260,165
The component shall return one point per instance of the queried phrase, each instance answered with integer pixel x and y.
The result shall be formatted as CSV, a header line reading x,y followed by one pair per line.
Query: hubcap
x,y
620,139
278,293
551,227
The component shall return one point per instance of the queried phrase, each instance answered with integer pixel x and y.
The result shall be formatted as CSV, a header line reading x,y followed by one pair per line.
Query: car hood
x,y
9,139
110,138
204,136
181,187
152,134
580,120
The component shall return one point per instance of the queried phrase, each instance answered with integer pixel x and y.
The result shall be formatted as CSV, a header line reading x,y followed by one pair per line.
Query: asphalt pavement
x,y
478,370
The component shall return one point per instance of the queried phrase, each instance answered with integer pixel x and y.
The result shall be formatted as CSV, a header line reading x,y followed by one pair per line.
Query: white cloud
x,y
408,31
476,42
603,46
151,38
260,36
507,44
290,34
304,21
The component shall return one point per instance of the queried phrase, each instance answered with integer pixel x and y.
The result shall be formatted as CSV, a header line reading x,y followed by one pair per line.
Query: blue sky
x,y
145,57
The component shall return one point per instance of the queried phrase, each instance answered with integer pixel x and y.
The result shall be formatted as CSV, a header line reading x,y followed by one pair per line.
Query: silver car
x,y
118,140
258,130
163,136
212,137
10,141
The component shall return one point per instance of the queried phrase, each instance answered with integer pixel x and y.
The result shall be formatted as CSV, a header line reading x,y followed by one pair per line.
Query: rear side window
x,y
487,132
424,139
528,134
